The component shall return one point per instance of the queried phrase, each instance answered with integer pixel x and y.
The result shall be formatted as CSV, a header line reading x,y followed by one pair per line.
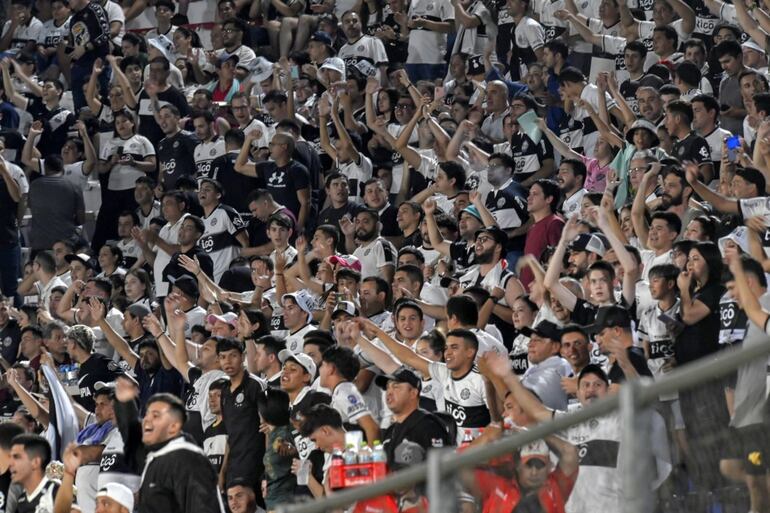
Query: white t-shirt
x,y
427,46
115,13
374,255
123,177
23,33
349,402
357,174
52,35
170,234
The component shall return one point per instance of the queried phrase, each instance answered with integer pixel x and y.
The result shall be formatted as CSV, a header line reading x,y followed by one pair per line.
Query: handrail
x,y
705,369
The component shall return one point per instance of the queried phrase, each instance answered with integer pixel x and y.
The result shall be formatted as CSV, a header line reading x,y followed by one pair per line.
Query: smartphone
x,y
295,72
733,144
120,151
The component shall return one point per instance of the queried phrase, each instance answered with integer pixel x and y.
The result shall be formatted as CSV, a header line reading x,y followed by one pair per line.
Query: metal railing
x,y
634,396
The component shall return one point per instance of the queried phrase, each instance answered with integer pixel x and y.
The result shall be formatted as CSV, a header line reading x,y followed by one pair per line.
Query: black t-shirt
x,y
176,157
237,186
701,338
584,312
148,127
284,182
389,223
173,269
332,216
5,483
419,427
9,224
639,362
413,239
57,124
692,148
97,368
241,419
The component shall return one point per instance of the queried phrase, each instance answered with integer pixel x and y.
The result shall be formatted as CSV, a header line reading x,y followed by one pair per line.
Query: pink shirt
x,y
596,176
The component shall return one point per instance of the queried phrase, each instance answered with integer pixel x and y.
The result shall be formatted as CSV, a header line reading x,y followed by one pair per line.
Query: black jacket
x,y
178,478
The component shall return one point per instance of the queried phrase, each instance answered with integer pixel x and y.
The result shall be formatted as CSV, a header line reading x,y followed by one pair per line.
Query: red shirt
x,y
501,495
543,233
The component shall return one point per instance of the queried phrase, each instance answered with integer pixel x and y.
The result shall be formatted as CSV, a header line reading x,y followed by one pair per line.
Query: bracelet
x,y
198,273
278,274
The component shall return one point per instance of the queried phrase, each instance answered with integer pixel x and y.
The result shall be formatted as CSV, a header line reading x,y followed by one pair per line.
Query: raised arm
x,y
29,155
128,94
500,366
33,405
721,203
463,18
92,88
242,164
402,352
551,279
438,242
98,311
749,300
748,23
631,271
10,91
686,13
90,152
558,144
639,208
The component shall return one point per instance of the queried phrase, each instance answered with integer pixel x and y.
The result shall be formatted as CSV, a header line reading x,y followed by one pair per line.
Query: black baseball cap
x,y
402,375
545,329
591,242
610,317
187,284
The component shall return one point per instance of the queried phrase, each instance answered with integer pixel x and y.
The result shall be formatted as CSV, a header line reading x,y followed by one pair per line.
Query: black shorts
x,y
751,445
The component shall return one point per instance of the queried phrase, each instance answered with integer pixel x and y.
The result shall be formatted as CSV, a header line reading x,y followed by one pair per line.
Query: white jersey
x,y
295,342
115,14
368,49
715,140
488,343
23,34
131,251
52,35
123,177
197,402
374,255
170,234
205,153
465,398
349,402
599,483
571,206
758,207
660,338
219,239
427,46
73,173
357,174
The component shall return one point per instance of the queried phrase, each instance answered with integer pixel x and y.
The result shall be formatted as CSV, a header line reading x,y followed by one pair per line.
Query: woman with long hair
x,y
138,287
700,291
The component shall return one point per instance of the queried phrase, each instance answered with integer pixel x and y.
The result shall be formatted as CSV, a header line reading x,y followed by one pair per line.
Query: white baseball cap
x,y
121,494
302,359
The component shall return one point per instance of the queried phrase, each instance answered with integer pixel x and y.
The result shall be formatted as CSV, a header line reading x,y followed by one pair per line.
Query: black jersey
x,y
175,158
693,148
41,501
241,419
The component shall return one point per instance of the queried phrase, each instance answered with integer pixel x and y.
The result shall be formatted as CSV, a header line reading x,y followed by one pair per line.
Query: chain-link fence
x,y
701,448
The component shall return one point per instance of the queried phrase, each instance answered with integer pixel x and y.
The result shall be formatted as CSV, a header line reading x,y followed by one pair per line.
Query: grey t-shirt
x,y
751,386
55,203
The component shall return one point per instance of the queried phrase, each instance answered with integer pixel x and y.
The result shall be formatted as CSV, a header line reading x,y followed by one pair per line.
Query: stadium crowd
x,y
229,249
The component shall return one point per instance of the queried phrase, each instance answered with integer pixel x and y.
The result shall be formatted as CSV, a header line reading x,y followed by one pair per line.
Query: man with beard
x,y
586,249
598,485
689,146
490,271
676,195
650,104
153,371
571,178
176,152
373,295
376,254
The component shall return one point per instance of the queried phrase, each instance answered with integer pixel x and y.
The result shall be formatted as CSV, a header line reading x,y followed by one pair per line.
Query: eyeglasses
x,y
230,30
403,106
640,169
484,239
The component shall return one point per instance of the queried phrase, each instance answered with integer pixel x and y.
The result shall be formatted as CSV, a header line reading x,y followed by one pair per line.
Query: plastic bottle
x,y
378,453
350,456
337,458
364,453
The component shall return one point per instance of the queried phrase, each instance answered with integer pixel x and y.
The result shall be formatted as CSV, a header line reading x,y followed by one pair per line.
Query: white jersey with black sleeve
x,y
465,399
205,153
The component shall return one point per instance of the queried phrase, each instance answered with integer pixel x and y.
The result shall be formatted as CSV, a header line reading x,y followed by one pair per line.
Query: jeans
x,y
80,75
10,270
